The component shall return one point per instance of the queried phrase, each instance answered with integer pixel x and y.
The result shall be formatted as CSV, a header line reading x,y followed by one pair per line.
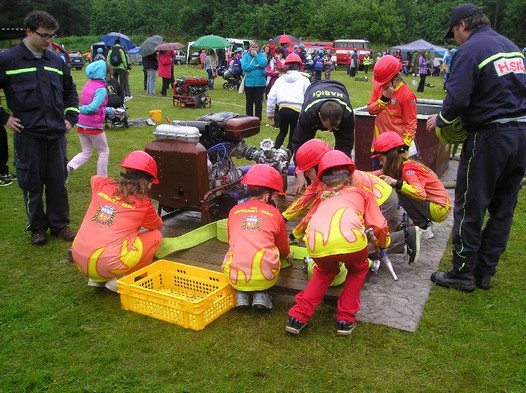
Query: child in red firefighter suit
x,y
257,239
405,237
121,229
420,191
336,233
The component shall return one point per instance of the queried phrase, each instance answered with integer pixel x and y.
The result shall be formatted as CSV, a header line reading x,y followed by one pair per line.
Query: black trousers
x,y
288,118
4,151
254,104
492,165
41,170
422,83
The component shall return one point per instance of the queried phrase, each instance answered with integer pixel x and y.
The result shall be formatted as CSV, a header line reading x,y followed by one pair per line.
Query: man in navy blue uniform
x,y
326,107
44,107
487,91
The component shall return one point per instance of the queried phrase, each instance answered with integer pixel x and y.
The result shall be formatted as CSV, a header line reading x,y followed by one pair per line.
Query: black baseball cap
x,y
461,11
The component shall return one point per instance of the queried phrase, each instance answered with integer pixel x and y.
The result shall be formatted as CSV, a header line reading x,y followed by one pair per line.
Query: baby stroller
x,y
228,75
119,119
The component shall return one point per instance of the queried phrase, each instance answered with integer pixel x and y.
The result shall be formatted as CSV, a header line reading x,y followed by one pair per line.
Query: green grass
x,y
59,335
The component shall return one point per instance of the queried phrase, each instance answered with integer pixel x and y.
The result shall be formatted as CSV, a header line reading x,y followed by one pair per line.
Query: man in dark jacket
x,y
486,90
326,107
44,107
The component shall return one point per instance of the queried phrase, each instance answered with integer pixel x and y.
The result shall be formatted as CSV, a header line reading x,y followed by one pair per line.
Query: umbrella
x,y
126,42
149,44
56,47
283,38
211,42
169,46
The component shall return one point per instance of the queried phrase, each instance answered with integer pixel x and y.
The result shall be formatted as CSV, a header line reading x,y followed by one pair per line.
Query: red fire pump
x,y
191,92
196,167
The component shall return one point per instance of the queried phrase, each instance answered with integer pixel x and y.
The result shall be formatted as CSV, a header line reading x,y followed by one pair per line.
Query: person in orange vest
x,y
121,229
257,238
392,101
420,191
336,233
405,236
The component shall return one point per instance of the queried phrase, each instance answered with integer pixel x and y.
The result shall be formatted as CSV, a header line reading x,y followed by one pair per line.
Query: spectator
x,y
253,65
318,65
121,229
352,210
287,94
99,55
422,70
40,119
486,90
150,65
326,107
6,177
93,103
275,67
165,69
118,59
257,238
211,67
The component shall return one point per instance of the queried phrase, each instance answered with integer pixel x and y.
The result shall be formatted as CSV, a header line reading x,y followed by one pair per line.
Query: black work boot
x,y
456,280
483,280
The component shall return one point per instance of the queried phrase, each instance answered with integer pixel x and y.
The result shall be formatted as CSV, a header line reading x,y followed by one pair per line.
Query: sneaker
x,y
456,280
345,328
412,243
98,284
262,300
294,326
428,232
8,176
5,182
111,285
483,281
242,299
66,234
38,237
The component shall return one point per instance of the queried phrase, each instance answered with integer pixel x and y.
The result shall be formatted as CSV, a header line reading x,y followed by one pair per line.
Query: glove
x,y
292,237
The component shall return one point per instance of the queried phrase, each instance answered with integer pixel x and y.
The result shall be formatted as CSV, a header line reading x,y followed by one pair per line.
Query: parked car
x,y
135,58
76,60
180,57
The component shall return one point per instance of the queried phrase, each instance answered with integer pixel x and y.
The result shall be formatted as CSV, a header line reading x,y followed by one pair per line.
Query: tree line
x,y
386,22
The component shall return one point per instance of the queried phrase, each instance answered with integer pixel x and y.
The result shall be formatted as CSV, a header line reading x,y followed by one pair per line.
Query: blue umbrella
x,y
126,42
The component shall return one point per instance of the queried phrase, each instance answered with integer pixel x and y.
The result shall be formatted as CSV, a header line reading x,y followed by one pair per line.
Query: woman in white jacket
x,y
287,93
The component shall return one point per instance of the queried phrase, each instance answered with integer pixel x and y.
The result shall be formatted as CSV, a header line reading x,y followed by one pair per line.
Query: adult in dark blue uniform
x,y
44,107
326,107
487,91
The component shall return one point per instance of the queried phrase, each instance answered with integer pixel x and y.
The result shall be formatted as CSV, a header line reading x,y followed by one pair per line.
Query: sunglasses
x,y
45,37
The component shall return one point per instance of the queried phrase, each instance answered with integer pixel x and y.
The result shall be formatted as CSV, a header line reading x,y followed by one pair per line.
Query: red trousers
x,y
326,269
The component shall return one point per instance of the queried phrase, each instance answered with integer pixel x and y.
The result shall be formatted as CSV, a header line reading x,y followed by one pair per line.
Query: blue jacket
x,y
487,81
39,91
254,69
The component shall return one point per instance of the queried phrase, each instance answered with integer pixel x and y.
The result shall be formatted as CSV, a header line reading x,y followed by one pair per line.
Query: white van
x,y
239,42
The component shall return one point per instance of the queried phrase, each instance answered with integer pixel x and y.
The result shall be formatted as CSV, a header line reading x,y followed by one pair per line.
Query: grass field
x,y
58,335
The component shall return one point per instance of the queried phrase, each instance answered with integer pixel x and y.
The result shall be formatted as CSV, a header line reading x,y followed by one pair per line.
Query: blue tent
x,y
419,46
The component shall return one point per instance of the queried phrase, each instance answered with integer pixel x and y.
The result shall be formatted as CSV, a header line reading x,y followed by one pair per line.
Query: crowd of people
x,y
339,205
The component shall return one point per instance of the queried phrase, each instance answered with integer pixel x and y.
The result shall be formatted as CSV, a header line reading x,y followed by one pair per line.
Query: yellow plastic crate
x,y
188,296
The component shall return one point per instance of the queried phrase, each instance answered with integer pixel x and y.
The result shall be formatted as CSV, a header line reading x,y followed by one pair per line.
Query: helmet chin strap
x,y
270,201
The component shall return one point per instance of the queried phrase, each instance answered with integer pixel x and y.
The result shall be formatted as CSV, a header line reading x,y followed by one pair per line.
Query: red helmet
x,y
387,141
385,69
293,58
335,158
263,175
309,154
141,161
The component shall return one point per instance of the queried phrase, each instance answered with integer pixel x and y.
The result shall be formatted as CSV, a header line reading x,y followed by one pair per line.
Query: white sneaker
x,y
262,301
242,299
98,284
111,285
427,233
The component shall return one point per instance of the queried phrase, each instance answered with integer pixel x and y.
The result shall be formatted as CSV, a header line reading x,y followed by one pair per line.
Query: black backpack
x,y
116,59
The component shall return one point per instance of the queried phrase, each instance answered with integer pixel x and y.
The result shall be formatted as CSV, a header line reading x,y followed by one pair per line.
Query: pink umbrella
x,y
169,46
284,38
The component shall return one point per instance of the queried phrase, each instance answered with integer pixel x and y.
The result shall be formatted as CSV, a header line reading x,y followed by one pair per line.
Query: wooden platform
x,y
210,254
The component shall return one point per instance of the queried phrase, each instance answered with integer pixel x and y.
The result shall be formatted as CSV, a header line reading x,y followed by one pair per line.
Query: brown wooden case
x,y
235,126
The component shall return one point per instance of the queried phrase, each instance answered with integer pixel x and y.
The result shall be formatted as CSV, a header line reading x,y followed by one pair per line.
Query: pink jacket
x,y
95,120
165,64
